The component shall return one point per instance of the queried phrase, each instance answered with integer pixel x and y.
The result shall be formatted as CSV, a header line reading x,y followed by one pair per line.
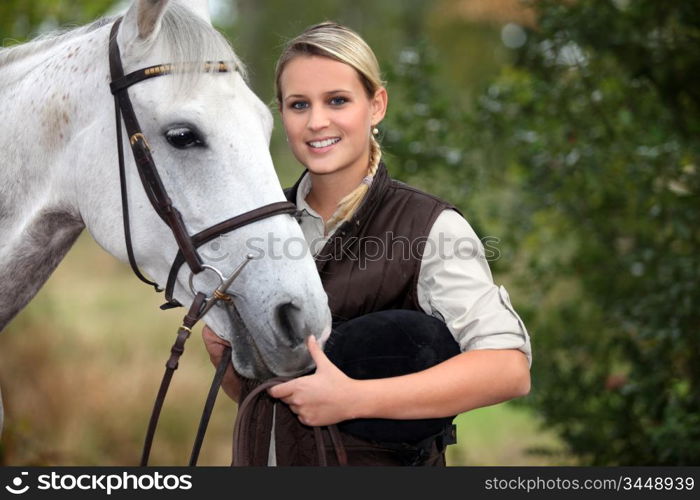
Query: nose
x,y
290,323
318,119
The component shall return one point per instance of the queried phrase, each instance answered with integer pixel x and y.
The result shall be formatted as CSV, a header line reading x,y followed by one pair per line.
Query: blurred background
x,y
568,134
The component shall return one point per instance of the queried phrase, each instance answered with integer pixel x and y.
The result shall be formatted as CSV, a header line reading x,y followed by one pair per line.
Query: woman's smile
x,y
320,146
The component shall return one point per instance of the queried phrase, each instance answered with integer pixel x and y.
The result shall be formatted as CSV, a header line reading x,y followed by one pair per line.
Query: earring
x,y
375,131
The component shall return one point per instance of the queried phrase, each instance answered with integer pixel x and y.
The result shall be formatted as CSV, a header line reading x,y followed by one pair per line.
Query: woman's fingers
x,y
317,353
282,391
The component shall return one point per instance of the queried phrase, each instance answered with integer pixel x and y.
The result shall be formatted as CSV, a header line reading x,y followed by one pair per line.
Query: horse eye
x,y
183,138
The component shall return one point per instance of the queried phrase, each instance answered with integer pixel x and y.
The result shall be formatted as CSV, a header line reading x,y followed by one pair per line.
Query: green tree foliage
x,y
583,157
599,122
21,20
423,137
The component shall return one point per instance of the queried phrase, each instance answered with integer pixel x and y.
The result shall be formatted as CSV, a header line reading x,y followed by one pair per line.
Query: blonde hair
x,y
342,44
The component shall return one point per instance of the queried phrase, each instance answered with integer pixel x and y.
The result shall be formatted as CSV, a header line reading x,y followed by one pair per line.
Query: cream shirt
x,y
454,282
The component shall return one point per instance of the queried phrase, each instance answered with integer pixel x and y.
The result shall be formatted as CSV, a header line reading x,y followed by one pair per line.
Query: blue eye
x,y
299,105
337,101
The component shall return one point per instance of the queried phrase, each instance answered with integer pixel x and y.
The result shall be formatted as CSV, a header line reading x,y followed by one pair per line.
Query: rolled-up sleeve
x,y
456,285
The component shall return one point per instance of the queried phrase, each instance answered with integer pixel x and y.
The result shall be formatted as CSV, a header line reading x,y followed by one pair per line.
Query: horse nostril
x,y
290,323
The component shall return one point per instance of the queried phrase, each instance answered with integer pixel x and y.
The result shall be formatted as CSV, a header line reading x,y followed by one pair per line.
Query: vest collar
x,y
369,204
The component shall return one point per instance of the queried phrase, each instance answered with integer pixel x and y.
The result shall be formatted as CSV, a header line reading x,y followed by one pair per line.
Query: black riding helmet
x,y
387,344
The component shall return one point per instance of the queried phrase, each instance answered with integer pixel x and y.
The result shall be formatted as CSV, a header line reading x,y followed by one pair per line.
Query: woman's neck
x,y
328,189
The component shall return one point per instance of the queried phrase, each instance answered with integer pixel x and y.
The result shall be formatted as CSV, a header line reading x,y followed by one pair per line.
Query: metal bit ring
x,y
205,266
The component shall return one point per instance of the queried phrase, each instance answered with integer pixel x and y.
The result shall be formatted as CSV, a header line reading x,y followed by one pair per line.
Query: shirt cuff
x,y
503,341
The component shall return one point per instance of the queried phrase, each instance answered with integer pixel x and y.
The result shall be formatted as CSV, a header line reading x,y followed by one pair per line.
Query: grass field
x,y
80,367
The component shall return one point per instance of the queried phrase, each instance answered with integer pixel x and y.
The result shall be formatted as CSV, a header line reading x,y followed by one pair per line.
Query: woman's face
x,y
327,115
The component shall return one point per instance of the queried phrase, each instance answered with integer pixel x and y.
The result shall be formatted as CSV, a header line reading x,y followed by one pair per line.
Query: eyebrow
x,y
301,96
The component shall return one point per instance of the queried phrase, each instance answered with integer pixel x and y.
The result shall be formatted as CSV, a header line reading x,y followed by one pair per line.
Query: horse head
x,y
208,135
211,135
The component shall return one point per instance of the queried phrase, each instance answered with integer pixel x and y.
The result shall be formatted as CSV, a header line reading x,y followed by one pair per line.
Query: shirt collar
x,y
303,189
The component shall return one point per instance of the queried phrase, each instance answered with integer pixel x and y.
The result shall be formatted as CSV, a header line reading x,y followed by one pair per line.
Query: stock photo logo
x,y
16,488
97,483
389,246
215,250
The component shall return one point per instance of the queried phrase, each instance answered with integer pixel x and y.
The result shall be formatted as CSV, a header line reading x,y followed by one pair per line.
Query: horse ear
x,y
142,21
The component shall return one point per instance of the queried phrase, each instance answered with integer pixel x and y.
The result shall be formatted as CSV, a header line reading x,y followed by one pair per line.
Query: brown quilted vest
x,y
371,263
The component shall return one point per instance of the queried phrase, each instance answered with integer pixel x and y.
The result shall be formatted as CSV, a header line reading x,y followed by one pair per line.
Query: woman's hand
x,y
215,345
324,398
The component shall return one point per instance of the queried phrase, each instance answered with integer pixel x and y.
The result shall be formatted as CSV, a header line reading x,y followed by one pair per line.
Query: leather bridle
x,y
152,182
187,244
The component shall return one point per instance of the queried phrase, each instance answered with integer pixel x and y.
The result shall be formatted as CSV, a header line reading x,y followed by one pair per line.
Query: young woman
x,y
421,333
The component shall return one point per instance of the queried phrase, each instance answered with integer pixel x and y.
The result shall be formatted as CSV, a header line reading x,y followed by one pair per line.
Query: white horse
x,y
209,136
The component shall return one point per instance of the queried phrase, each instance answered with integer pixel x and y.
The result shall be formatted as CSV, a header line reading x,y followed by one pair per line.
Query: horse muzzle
x,y
273,346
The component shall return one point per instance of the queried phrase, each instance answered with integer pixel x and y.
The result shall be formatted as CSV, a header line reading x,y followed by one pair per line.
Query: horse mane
x,y
188,39
8,55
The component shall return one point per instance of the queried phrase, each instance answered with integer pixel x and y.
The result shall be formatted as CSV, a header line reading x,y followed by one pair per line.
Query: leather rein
x,y
187,253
